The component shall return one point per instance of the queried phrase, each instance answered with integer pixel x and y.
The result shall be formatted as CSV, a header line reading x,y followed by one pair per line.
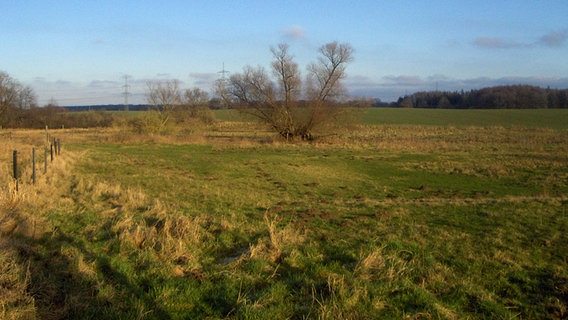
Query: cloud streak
x,y
103,84
495,43
553,39
203,79
294,32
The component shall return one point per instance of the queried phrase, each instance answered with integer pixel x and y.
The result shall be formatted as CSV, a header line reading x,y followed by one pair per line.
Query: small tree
x,y
195,97
195,100
164,97
168,99
281,102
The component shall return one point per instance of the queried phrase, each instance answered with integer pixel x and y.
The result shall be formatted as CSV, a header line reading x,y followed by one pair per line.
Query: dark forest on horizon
x,y
498,97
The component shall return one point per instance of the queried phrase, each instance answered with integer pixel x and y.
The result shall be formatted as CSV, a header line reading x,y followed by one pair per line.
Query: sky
x,y
81,52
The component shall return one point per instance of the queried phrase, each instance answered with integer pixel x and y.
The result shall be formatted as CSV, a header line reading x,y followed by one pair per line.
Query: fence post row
x,y
55,148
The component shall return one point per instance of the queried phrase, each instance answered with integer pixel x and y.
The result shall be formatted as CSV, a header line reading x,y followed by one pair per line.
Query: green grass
x,y
403,221
537,118
530,118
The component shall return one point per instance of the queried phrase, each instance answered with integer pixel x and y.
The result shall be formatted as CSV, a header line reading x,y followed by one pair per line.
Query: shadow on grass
x,y
62,291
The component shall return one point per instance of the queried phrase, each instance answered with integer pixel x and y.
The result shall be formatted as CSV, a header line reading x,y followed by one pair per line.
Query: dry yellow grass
x,y
412,138
280,242
15,301
21,215
394,138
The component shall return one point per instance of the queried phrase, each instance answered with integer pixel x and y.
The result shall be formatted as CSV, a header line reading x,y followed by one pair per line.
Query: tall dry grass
x,y
20,200
280,243
144,224
414,138
22,208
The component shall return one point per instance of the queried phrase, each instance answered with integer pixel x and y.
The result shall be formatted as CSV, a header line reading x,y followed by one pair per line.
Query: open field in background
x,y
405,219
530,118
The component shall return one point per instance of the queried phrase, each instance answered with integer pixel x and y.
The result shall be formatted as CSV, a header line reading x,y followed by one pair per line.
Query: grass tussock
x,y
15,300
280,242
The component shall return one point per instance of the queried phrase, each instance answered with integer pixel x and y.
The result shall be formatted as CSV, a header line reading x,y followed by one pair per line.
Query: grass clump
x,y
15,300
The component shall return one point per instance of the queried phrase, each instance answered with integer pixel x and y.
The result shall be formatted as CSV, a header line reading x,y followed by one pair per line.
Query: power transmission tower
x,y
223,82
223,73
126,86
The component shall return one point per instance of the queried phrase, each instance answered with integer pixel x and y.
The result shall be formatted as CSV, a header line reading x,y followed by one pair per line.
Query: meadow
x,y
527,118
418,214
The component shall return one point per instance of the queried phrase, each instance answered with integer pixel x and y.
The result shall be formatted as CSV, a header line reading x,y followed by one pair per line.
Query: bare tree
x,y
195,99
288,79
278,101
325,75
14,97
27,98
8,92
165,97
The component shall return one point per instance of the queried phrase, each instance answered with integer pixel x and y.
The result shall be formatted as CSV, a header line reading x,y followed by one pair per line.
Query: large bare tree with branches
x,y
289,106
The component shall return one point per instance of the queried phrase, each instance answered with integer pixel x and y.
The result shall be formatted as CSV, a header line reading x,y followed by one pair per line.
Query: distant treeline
x,y
213,104
53,117
108,107
500,97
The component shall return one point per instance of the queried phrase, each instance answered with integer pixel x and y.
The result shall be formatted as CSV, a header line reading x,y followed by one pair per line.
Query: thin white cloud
x,y
98,41
63,83
554,38
203,80
103,84
495,43
402,80
294,32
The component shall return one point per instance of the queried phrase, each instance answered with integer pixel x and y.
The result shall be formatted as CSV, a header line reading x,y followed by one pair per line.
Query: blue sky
x,y
77,52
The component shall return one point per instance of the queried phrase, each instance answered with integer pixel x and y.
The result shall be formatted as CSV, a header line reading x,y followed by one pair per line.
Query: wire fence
x,y
25,169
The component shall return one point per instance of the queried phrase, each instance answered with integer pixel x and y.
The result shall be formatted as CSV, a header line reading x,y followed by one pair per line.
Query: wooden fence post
x,y
15,160
58,147
44,160
51,151
33,166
